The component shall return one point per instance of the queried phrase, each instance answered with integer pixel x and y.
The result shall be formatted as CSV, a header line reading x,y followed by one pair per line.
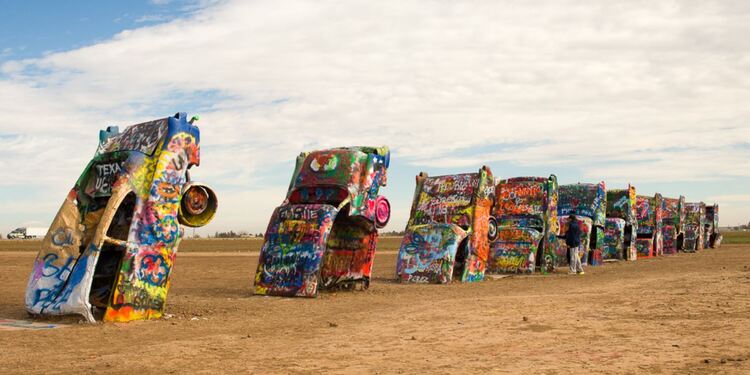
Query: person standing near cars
x,y
573,241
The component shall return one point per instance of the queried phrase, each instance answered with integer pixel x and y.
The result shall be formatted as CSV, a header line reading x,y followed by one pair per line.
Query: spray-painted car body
x,y
449,228
325,232
111,248
649,234
711,227
621,225
673,219
588,202
526,213
695,213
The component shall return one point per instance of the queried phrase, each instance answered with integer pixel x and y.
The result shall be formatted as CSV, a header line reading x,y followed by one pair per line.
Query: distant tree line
x,y
741,227
245,234
233,234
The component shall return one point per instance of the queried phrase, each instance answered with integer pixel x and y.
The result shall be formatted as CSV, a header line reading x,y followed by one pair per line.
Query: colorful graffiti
x,y
694,216
111,248
673,219
712,238
586,201
526,210
350,252
645,247
649,214
673,211
447,199
614,239
294,245
447,234
589,255
515,250
621,203
428,253
619,237
669,239
324,235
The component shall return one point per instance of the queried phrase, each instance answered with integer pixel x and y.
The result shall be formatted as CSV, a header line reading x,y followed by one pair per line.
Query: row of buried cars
x,y
110,251
463,226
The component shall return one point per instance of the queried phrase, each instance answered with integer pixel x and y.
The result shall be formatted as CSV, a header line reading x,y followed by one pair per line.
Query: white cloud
x,y
735,198
644,89
151,18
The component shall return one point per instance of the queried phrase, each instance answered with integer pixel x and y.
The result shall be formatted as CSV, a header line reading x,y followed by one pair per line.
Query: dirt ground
x,y
687,313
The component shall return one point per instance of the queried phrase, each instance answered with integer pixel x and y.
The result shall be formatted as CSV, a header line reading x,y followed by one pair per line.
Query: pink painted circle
x,y
382,211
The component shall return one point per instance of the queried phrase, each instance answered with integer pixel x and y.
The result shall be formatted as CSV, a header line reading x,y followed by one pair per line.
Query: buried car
x,y
673,219
449,229
649,235
621,225
111,248
695,213
324,233
711,227
588,202
526,213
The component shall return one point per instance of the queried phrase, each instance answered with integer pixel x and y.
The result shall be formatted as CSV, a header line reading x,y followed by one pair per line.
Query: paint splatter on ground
x,y
20,325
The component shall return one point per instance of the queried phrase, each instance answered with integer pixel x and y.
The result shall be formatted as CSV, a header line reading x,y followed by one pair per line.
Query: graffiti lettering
x,y
293,250
511,264
298,212
56,283
137,296
142,137
105,175
428,252
418,279
62,237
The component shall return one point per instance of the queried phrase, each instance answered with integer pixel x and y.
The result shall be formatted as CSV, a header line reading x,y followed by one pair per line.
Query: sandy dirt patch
x,y
688,313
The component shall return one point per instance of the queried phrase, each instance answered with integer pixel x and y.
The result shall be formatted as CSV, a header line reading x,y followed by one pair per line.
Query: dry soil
x,y
687,313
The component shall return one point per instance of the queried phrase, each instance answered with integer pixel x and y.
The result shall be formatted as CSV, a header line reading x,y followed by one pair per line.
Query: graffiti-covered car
x,y
649,236
711,227
588,202
695,213
449,229
673,219
111,248
621,225
324,233
526,213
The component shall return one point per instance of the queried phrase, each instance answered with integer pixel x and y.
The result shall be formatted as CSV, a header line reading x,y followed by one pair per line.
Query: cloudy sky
x,y
654,93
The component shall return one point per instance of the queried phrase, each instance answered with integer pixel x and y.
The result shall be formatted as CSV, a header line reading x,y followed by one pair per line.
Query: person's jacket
x,y
573,236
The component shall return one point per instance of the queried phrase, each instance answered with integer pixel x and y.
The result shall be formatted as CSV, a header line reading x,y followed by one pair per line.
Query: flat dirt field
x,y
687,313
